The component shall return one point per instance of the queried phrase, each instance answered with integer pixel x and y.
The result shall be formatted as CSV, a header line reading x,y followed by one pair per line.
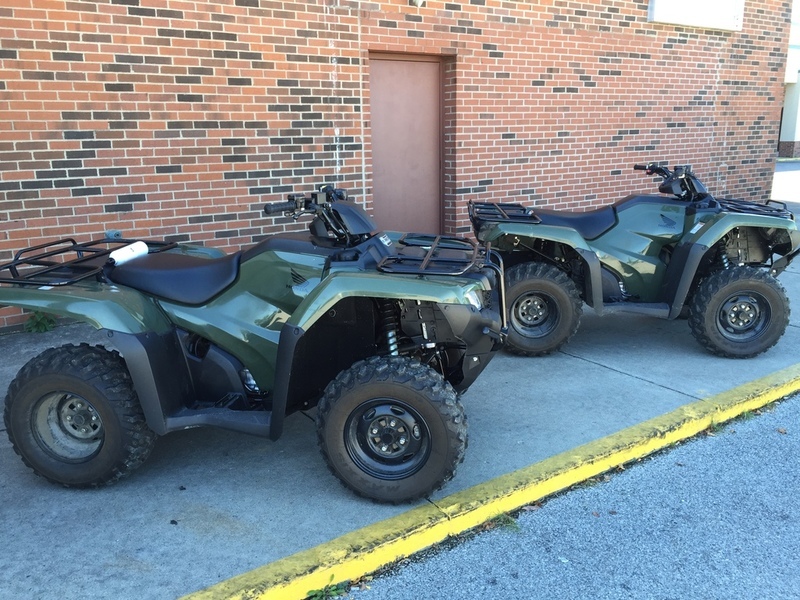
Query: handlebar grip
x,y
640,167
279,207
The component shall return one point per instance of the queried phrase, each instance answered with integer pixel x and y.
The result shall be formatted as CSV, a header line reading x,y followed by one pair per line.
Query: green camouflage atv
x,y
684,252
381,332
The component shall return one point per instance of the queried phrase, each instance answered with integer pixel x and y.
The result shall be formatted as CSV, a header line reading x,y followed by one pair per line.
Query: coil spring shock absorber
x,y
389,325
723,257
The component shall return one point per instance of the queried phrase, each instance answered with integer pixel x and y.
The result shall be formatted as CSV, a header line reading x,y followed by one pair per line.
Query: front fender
x,y
710,232
449,293
101,305
343,284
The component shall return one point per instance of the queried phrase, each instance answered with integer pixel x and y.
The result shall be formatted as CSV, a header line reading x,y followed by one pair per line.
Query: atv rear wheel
x,y
544,309
391,429
739,312
73,416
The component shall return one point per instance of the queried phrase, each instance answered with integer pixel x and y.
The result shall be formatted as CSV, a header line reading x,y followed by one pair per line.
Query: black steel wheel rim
x,y
387,439
534,314
67,427
743,316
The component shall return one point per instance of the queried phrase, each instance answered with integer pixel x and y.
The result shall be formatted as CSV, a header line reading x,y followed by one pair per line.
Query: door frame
x,y
427,58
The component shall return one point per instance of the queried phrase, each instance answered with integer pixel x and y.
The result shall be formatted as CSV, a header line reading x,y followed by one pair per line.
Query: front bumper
x,y
480,333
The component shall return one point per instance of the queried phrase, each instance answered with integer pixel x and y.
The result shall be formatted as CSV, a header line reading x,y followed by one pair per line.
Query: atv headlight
x,y
475,299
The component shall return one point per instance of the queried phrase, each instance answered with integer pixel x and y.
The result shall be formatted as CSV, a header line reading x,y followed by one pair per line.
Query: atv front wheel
x,y
73,416
544,309
391,429
739,312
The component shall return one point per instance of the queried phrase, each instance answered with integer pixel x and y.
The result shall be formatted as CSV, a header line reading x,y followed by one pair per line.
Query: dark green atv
x,y
659,255
380,331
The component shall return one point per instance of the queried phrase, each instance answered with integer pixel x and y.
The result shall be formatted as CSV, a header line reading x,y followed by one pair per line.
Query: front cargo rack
x,y
488,212
65,261
427,254
773,208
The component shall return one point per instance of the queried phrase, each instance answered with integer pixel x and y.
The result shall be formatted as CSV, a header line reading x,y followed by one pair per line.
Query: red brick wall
x,y
180,118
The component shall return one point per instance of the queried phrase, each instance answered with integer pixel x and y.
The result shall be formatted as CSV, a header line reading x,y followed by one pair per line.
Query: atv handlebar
x,y
681,182
303,203
653,169
332,216
280,207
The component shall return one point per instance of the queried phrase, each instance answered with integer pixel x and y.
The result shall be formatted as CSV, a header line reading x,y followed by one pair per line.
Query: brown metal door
x,y
405,105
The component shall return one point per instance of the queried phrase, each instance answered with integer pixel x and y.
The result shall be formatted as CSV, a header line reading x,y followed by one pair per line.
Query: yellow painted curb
x,y
365,550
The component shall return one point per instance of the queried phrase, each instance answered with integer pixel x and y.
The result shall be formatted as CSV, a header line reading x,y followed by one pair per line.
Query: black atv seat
x,y
589,225
178,277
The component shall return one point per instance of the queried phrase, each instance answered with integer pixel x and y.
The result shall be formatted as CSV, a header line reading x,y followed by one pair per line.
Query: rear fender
x,y
514,237
507,236
135,326
593,293
101,305
159,373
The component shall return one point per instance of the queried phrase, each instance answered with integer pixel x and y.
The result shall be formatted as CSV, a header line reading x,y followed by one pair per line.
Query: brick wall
x,y
180,118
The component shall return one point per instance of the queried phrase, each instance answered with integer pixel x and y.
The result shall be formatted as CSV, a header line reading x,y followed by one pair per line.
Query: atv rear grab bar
x,y
51,263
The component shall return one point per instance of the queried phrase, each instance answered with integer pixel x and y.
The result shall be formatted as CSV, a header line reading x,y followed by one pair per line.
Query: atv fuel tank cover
x,y
293,242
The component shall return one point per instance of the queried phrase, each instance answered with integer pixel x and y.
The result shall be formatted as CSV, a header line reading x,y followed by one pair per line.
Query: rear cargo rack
x,y
482,212
426,254
65,261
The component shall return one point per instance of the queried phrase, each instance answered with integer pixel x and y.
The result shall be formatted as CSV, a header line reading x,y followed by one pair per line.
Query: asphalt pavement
x,y
212,505
715,517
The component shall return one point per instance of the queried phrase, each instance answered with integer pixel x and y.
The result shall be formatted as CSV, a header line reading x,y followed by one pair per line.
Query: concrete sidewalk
x,y
210,505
